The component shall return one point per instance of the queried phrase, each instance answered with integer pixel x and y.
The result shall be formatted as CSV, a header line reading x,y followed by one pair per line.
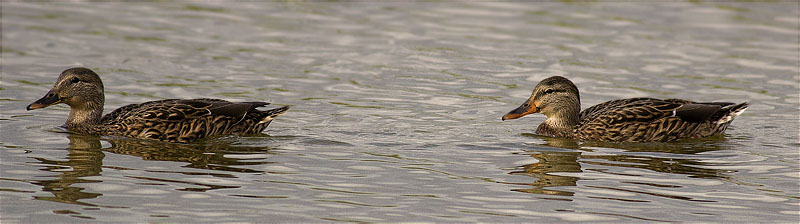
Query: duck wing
x,y
177,109
160,111
646,119
650,104
177,120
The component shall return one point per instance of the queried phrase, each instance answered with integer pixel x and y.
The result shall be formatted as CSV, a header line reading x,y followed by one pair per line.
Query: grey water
x,y
396,112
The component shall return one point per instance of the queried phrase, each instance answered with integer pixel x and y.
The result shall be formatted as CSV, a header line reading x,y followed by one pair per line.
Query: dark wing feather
x,y
646,104
177,120
128,110
697,112
630,110
235,110
636,119
648,119
182,109
230,109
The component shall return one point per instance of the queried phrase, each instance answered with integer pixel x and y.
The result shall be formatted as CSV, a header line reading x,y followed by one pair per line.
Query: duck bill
x,y
526,108
49,99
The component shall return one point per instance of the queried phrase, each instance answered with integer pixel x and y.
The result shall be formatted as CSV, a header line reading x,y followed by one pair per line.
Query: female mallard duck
x,y
171,120
626,120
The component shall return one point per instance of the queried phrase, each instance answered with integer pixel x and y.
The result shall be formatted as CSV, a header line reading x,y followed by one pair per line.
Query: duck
x,y
624,120
169,120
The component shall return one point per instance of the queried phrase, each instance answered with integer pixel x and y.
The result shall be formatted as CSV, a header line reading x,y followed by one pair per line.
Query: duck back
x,y
183,121
649,119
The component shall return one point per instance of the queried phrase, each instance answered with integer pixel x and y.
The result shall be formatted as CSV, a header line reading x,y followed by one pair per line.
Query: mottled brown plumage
x,y
172,120
625,120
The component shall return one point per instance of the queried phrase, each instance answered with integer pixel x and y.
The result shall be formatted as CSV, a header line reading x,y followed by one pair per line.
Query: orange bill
x,y
526,108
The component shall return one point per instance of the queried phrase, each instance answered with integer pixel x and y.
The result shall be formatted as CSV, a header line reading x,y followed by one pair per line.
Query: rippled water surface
x,y
396,112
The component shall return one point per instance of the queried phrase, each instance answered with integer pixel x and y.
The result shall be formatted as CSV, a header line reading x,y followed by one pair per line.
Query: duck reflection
x,y
84,159
658,157
86,153
210,155
551,162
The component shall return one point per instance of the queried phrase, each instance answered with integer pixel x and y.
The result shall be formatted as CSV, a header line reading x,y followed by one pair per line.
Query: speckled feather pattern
x,y
182,121
624,120
647,120
172,120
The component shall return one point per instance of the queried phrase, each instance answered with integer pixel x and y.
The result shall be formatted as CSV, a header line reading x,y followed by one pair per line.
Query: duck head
x,y
82,90
555,97
75,87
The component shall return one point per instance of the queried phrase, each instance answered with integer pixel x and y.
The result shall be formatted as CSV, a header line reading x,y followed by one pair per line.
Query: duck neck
x,y
85,117
561,124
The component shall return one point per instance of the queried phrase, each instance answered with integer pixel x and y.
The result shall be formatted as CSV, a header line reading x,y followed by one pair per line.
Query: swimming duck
x,y
171,120
625,120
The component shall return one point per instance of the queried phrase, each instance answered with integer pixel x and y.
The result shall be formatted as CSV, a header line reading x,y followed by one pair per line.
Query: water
x,y
396,112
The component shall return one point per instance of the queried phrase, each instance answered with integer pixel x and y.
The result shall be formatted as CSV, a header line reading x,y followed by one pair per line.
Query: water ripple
x,y
395,112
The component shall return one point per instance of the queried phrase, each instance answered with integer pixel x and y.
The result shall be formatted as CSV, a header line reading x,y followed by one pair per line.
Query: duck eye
x,y
548,91
75,80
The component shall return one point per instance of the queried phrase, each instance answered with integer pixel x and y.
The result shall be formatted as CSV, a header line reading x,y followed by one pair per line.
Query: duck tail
x,y
731,111
272,114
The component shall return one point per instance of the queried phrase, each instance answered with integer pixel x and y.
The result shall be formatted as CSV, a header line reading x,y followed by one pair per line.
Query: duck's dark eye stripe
x,y
548,91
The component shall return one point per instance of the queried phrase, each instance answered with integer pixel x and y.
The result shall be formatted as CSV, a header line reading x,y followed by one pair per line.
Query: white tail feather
x,y
730,116
278,112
